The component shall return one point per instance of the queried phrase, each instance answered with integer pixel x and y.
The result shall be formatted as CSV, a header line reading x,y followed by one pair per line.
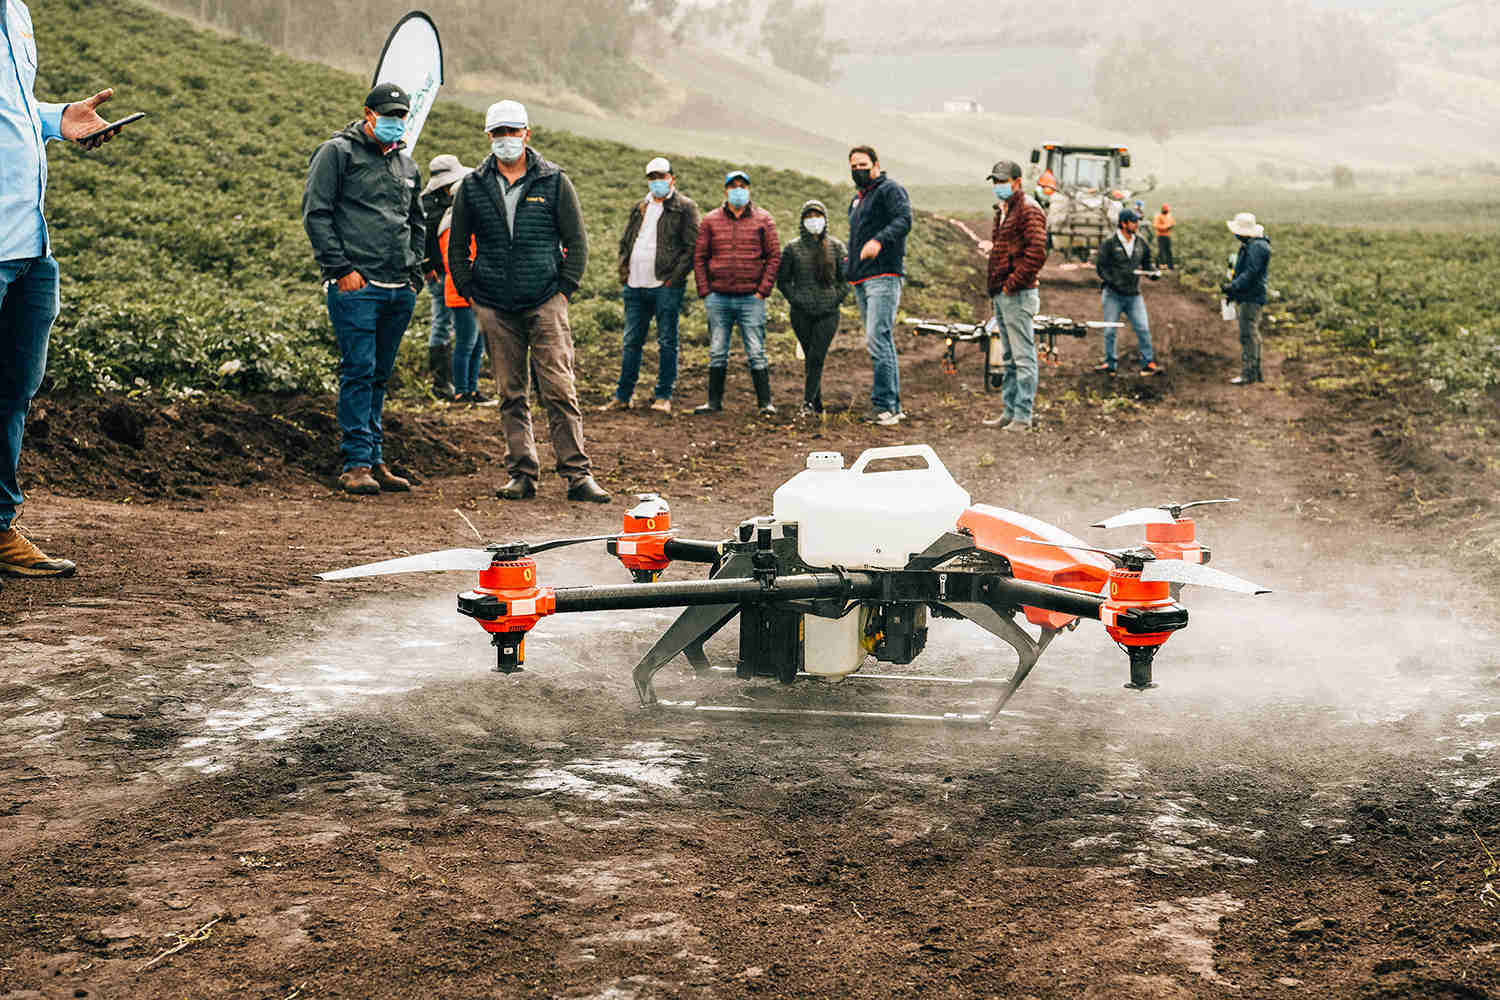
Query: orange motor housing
x,y
513,583
1176,541
645,555
1126,591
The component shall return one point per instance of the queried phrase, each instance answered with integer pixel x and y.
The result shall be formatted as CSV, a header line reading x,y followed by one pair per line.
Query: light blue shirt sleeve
x,y
51,116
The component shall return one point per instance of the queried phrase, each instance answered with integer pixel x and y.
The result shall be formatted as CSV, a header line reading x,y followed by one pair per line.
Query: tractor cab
x,y
1082,188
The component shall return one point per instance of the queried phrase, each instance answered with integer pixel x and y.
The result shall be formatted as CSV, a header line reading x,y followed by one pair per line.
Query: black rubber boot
x,y
716,377
440,361
762,379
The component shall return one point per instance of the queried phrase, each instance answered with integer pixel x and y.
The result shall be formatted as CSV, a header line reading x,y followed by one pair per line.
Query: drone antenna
x,y
469,523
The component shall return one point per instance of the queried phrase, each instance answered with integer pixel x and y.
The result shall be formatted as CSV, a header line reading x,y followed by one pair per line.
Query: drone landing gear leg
x,y
687,635
1140,666
1028,650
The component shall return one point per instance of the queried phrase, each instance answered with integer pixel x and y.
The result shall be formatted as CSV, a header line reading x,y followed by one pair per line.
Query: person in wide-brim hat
x,y
1245,225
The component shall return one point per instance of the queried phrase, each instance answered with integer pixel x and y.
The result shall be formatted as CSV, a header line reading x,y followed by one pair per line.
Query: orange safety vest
x,y
1164,223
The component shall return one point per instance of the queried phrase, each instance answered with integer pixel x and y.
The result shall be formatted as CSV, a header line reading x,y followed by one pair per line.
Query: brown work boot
x,y
18,557
615,403
358,480
388,480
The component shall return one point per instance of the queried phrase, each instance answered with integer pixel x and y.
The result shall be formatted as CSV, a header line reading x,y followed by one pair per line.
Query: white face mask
x,y
815,224
508,149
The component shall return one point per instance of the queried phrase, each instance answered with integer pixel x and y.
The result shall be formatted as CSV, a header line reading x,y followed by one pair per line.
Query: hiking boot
x,y
477,398
662,405
1152,368
519,488
998,421
388,480
440,363
19,557
615,403
1017,425
358,480
716,379
588,491
1104,368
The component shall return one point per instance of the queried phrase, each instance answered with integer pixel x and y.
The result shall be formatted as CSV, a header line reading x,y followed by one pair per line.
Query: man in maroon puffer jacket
x,y
735,264
1017,252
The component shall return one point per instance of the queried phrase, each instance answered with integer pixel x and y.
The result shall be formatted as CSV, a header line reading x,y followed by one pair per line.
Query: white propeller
x,y
428,562
1167,513
1177,571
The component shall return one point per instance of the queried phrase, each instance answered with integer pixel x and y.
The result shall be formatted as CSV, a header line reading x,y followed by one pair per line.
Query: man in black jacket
x,y
879,220
1119,264
437,197
522,214
362,209
656,256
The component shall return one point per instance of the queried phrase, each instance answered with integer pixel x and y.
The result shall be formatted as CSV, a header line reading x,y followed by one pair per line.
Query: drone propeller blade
x,y
1141,515
1177,571
428,562
1113,554
1200,503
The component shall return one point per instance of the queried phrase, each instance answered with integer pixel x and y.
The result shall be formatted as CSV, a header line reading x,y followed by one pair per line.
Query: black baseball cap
x,y
1004,170
387,97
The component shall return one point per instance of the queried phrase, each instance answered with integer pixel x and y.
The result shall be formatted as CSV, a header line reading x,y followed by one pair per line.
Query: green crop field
x,y
185,266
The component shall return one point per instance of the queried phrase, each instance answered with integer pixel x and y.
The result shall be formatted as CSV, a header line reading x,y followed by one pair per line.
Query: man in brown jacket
x,y
735,264
656,255
1018,249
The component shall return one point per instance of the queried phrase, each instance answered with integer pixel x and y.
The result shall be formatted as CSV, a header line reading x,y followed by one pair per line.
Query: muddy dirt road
x,y
314,790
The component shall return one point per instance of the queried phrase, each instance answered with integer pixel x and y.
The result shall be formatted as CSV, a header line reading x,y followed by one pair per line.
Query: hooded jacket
x,y
798,275
676,238
362,209
546,254
1251,265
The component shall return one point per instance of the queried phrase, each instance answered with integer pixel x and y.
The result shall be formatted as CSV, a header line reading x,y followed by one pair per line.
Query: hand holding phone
x,y
107,133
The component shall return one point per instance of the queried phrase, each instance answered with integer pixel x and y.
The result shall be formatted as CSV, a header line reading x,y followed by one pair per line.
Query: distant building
x,y
962,106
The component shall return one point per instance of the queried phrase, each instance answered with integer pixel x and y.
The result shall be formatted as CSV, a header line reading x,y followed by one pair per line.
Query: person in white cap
x,y
1247,290
444,172
656,256
520,214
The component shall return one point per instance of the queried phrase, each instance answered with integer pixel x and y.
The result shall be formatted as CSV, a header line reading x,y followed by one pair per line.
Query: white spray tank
x,y
863,519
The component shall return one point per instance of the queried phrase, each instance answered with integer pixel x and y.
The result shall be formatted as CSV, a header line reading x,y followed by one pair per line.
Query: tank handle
x,y
922,451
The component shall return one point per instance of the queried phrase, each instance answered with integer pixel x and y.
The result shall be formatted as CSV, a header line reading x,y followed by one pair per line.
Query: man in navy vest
x,y
28,274
529,252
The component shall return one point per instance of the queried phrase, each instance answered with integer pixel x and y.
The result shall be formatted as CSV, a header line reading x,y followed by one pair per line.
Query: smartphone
x,y
113,126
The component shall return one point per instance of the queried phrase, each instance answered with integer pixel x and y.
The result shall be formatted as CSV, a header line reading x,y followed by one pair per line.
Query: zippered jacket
x,y
737,256
880,212
798,276
1251,265
1018,246
676,239
1116,268
362,209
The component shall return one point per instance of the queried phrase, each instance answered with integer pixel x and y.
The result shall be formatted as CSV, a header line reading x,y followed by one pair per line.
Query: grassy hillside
x,y
181,243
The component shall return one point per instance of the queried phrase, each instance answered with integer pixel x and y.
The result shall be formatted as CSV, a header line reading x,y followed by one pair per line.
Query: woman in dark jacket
x,y
812,277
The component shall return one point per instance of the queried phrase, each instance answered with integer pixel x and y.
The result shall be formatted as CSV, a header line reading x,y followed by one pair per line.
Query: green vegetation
x,y
1382,311
184,261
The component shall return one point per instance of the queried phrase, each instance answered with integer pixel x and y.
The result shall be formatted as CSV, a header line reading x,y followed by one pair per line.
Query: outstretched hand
x,y
82,117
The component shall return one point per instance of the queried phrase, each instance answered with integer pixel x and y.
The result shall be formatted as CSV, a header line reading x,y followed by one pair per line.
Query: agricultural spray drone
x,y
987,335
850,565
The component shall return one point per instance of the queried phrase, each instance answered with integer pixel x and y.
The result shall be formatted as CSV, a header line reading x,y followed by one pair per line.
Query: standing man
x,y
28,273
1247,290
442,173
1120,260
362,209
735,263
656,256
521,212
1018,249
879,219
1163,223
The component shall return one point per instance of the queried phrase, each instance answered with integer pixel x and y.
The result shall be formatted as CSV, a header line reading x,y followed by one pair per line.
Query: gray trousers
x,y
1249,317
537,339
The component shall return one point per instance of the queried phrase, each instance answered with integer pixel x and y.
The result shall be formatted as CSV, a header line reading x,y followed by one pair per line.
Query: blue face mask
x,y
660,189
389,129
738,197
1003,192
508,149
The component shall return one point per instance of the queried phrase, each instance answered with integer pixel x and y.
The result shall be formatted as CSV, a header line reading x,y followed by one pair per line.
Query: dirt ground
x,y
322,790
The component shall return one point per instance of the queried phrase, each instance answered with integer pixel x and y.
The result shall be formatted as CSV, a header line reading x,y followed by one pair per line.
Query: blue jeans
x,y
468,349
28,305
1134,308
640,305
724,311
369,325
1018,385
442,316
878,299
